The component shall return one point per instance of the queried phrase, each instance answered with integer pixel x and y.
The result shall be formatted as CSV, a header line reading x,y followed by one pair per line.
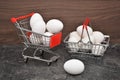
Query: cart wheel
x,y
55,60
49,63
41,51
25,60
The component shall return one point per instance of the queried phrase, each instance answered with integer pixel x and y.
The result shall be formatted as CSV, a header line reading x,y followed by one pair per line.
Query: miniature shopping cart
x,y
35,47
87,49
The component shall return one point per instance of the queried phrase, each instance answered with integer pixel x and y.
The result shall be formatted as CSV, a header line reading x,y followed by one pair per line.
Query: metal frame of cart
x,y
22,24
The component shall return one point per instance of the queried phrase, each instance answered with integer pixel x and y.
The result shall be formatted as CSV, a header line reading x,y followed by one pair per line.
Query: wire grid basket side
x,y
25,23
90,49
30,38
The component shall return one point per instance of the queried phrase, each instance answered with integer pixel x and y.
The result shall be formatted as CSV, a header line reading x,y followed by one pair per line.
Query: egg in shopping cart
x,y
75,34
36,17
54,26
39,27
79,30
74,66
35,39
97,49
46,38
73,43
98,36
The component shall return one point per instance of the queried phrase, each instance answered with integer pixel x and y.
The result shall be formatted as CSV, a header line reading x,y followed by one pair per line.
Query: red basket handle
x,y
86,22
13,19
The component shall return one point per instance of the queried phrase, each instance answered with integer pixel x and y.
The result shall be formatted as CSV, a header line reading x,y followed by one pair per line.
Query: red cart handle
x,y
13,19
86,22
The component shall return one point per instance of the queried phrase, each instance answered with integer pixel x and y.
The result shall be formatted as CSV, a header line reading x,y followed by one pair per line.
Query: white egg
x,y
86,39
54,26
36,17
79,30
73,39
74,66
75,34
46,38
73,44
87,45
39,27
99,36
97,49
34,39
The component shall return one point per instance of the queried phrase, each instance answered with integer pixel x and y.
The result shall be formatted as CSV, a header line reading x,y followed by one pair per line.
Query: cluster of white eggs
x,y
96,37
48,29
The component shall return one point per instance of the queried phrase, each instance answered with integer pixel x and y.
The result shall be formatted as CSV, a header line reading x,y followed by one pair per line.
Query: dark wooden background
x,y
104,15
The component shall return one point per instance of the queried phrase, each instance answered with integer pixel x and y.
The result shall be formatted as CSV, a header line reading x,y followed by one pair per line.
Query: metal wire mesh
x,y
85,48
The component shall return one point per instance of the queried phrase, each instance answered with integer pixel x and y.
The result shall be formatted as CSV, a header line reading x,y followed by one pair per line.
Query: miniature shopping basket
x,y
87,49
22,24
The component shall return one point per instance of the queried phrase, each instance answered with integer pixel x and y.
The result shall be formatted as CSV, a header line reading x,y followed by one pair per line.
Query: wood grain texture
x,y
104,15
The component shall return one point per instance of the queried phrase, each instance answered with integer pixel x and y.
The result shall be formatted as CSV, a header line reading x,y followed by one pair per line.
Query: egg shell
x,y
34,39
79,30
73,45
54,25
46,38
86,39
98,36
74,66
36,17
87,45
75,34
39,27
97,49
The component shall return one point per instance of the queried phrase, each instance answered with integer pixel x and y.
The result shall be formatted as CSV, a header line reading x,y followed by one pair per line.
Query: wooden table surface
x,y
104,15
